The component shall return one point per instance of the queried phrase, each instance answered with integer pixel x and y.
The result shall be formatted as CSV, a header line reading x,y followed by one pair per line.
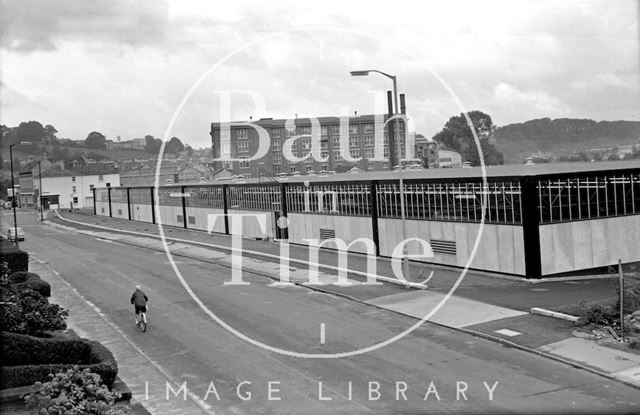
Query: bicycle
x,y
142,323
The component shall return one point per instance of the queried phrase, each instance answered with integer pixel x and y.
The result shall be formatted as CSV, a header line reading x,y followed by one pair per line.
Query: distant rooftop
x,y
270,122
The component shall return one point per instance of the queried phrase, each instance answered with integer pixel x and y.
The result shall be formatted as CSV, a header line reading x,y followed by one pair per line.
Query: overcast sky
x,y
123,67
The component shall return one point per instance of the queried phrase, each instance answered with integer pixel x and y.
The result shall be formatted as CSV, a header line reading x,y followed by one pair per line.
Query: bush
x,y
74,392
23,281
598,314
26,359
16,259
28,312
631,293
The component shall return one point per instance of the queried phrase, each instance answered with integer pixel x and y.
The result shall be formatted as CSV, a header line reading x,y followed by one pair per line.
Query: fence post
x,y
109,198
153,207
284,233
94,201
621,275
225,206
373,194
129,203
531,227
184,208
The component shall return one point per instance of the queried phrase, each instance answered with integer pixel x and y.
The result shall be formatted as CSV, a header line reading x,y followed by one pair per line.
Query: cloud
x,y
39,25
122,67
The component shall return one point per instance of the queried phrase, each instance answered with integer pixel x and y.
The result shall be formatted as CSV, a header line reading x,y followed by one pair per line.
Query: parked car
x,y
11,234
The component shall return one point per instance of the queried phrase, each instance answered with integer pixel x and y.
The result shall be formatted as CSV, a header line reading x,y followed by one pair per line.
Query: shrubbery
x,y
28,312
16,259
74,392
23,280
25,360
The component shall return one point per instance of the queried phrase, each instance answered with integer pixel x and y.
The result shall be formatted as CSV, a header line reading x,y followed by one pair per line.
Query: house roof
x,y
270,122
88,170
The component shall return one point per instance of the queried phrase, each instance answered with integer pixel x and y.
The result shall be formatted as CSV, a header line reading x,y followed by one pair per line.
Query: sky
x,y
170,68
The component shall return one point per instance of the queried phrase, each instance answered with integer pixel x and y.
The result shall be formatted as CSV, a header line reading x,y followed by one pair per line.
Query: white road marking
x,y
507,332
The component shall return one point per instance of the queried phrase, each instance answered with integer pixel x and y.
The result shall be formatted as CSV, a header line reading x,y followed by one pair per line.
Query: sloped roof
x,y
88,170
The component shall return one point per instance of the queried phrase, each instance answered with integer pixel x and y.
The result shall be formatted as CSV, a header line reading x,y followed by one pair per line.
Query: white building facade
x,y
74,191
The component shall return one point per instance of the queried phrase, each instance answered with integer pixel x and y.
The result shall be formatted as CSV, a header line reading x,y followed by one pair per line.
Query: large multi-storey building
x,y
358,133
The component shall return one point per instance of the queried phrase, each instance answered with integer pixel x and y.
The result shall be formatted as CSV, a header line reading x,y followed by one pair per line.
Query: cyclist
x,y
139,300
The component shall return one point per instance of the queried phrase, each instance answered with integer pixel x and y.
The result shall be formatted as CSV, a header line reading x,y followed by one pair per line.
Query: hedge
x,y
25,360
23,280
16,259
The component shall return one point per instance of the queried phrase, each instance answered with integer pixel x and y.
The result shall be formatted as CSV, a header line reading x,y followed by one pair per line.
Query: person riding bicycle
x,y
139,300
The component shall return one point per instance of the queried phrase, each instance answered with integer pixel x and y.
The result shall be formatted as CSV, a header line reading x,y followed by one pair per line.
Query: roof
x,y
270,122
88,170
506,171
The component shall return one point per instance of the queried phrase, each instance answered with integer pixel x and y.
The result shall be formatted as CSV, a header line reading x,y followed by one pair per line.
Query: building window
x,y
368,140
368,153
74,189
324,144
309,168
292,169
275,132
108,184
100,177
354,142
385,151
324,130
75,200
306,143
354,152
91,188
73,178
244,164
276,170
337,155
324,154
242,133
353,129
277,158
305,129
336,142
367,128
335,129
370,166
243,146
324,167
276,145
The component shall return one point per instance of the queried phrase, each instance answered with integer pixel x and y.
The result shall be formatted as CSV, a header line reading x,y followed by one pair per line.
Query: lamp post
x,y
405,260
13,189
40,189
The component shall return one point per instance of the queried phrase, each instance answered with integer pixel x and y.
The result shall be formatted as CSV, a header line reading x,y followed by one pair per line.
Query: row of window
x,y
305,143
559,200
242,133
571,199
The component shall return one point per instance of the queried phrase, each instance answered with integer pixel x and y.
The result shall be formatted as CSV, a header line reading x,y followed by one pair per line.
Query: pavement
x,y
92,271
478,305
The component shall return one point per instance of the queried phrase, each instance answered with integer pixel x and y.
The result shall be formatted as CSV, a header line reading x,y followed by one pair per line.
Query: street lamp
x,y
40,189
405,260
13,188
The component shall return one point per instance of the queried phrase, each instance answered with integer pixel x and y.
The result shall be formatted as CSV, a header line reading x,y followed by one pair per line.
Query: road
x,y
190,346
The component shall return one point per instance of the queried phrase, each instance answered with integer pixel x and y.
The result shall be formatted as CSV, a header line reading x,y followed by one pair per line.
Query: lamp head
x,y
359,73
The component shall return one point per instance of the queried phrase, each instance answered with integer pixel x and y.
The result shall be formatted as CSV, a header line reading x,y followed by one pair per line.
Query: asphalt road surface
x,y
453,370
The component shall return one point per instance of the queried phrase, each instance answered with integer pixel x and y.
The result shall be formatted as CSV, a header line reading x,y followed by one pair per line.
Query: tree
x,y
152,145
96,141
50,134
31,131
174,146
188,150
458,136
